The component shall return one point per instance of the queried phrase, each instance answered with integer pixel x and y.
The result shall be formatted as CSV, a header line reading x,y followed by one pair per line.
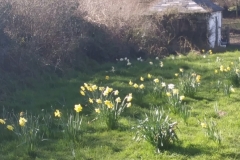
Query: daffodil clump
x,y
188,82
227,77
107,103
158,129
71,124
174,99
211,130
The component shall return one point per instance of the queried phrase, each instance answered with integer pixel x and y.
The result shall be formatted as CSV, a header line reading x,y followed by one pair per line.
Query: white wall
x,y
212,28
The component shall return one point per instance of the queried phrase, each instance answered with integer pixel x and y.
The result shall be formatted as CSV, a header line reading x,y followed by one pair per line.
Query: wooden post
x,y
227,34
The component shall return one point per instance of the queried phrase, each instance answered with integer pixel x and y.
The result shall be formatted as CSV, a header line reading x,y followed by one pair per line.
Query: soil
x,y
235,39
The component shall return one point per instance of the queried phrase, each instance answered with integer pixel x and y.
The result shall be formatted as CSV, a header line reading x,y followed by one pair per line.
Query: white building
x,y
214,20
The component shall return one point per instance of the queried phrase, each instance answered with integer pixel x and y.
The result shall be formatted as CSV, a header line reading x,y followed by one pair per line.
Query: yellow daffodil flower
x,y
198,78
108,103
107,77
82,88
90,100
129,104
176,74
101,88
175,91
78,107
156,80
221,68
135,85
118,100
168,94
22,121
228,68
10,127
130,83
129,97
57,113
149,76
181,98
2,121
97,110
82,92
232,89
141,79
204,125
216,71
99,101
116,92
141,86
94,87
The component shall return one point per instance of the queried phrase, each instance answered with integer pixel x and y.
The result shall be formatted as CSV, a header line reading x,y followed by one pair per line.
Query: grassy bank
x,y
214,104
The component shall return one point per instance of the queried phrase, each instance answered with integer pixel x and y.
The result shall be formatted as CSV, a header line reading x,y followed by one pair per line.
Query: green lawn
x,y
210,103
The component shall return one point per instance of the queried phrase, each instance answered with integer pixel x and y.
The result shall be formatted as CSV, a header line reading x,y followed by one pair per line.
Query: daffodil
x,y
94,87
130,83
161,64
129,104
22,121
141,79
57,113
221,68
198,78
168,94
156,80
82,92
90,100
129,97
181,69
149,76
21,114
204,125
203,50
2,121
78,107
99,101
116,92
108,103
107,77
237,70
176,74
101,88
10,127
82,88
151,63
170,86
97,110
181,98
135,85
216,71
118,100
228,68
141,86
163,84
232,89
175,91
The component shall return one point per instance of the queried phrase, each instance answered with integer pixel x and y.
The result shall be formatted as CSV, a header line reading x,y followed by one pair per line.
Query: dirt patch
x,y
235,39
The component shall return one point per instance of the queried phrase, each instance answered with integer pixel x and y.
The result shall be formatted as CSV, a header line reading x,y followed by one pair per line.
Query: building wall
x,y
214,27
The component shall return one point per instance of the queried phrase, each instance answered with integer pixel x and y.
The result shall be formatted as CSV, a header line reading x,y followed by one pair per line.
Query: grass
x,y
97,142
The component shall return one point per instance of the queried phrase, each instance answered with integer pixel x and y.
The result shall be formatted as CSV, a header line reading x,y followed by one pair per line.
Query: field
x,y
204,104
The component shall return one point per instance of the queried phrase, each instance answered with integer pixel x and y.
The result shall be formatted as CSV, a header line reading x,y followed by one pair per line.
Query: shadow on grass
x,y
191,150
